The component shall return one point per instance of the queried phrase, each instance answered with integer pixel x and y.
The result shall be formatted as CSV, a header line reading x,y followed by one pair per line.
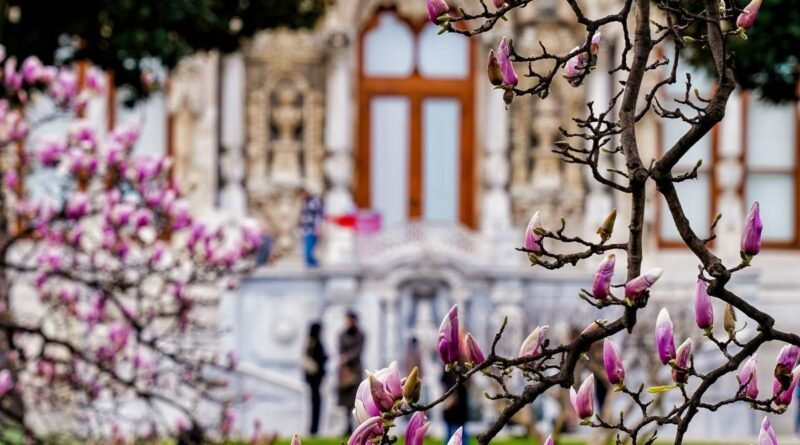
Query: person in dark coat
x,y
455,408
314,362
351,344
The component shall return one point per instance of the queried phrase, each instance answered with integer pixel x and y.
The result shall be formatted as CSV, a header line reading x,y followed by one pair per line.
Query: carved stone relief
x,y
539,179
284,148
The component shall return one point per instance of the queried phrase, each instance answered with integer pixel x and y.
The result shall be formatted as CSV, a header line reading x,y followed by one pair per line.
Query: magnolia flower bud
x,y
784,364
748,378
412,386
448,337
583,400
682,357
748,16
31,69
378,393
295,439
613,364
510,77
508,96
595,46
436,9
532,239
703,310
392,381
472,350
751,236
607,228
382,399
766,436
783,397
498,3
6,381
729,322
493,69
601,285
665,343
417,427
368,430
77,206
575,66
532,345
639,285
457,438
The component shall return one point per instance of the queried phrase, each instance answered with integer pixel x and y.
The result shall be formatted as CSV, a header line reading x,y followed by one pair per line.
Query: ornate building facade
x,y
373,110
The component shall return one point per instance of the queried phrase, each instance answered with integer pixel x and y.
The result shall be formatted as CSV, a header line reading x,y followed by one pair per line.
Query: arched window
x,y
415,127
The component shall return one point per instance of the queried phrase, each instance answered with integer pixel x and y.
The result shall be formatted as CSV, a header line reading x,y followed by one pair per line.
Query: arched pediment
x,y
359,12
423,249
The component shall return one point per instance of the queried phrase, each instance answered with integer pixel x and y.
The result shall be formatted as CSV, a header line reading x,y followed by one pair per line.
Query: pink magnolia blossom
x,y
601,284
6,381
532,239
417,428
472,350
583,400
77,206
31,70
612,363
532,345
368,430
436,9
748,378
665,342
51,151
448,337
457,438
94,80
703,309
639,285
751,236
747,18
506,66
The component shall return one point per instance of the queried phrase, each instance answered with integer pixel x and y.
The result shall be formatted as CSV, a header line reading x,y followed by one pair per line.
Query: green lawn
x,y
434,441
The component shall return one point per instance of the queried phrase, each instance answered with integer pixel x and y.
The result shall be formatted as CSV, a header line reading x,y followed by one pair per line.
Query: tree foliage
x,y
768,60
125,35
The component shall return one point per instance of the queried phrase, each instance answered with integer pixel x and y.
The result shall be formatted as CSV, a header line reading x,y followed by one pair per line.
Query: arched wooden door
x,y
415,156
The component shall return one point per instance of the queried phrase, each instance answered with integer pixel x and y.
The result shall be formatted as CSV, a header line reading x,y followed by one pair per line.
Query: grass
x,y
434,441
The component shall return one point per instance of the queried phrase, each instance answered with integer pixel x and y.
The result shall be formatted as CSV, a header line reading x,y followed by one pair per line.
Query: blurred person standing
x,y
455,408
351,345
314,362
265,249
412,357
311,217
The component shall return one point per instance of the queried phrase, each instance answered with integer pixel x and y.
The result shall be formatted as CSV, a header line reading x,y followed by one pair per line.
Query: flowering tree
x,y
611,128
105,279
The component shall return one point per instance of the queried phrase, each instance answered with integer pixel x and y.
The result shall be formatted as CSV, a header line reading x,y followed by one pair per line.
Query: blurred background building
x,y
428,181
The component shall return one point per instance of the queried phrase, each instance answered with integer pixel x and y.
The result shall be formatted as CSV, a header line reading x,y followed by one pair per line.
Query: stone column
x,y
339,142
232,195
390,331
194,107
496,208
